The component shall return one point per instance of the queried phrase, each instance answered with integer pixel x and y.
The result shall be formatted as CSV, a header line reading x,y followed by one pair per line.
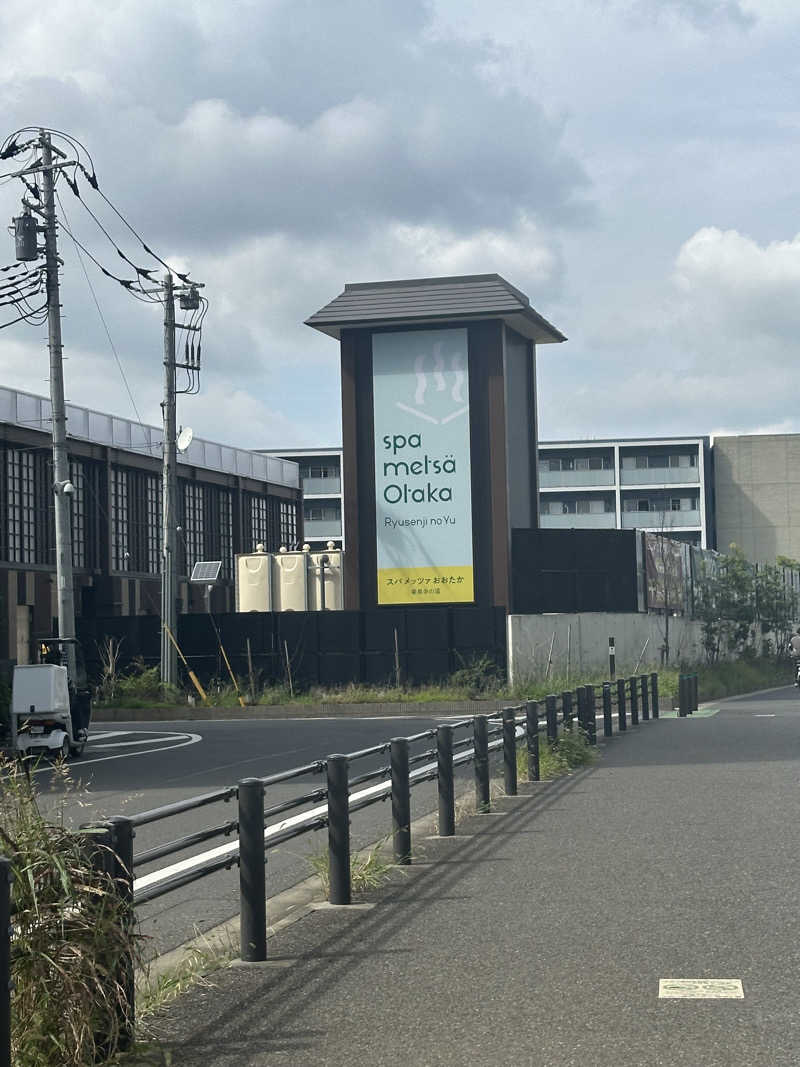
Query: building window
x,y
658,462
675,504
78,513
581,463
193,524
640,462
226,532
153,524
259,523
318,470
120,527
288,527
582,507
20,484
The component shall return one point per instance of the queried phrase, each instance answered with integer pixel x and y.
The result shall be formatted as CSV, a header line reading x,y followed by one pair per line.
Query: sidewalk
x,y
539,936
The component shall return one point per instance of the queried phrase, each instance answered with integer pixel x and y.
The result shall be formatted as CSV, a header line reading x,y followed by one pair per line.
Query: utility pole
x,y
62,486
169,584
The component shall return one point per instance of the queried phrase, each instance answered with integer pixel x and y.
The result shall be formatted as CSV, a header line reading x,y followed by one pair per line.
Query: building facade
x,y
664,485
757,479
229,500
321,482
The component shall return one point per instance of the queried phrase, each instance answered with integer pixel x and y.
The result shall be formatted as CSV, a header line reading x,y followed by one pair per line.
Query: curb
x,y
386,709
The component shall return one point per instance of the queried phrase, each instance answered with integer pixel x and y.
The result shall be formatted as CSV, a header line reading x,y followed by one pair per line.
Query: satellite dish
x,y
184,438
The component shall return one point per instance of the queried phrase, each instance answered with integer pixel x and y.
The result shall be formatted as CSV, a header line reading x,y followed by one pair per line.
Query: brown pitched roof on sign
x,y
431,300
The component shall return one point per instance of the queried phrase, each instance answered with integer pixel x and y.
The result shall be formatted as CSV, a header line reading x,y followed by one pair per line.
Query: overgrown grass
x,y
571,750
729,679
72,935
369,868
480,680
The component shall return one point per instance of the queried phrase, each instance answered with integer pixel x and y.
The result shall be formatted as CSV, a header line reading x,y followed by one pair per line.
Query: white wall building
x,y
658,484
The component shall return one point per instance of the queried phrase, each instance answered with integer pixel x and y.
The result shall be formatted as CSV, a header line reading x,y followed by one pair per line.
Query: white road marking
x,y
145,741
186,739
232,848
764,715
700,988
112,733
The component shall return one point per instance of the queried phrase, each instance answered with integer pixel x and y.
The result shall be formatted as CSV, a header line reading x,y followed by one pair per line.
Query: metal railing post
x,y
566,709
695,693
654,694
122,834
447,795
580,700
339,891
645,697
480,733
634,702
608,722
401,800
591,714
6,985
622,717
252,872
551,715
532,738
683,698
510,752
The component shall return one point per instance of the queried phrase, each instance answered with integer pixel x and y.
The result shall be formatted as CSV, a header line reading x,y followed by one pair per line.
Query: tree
x,y
726,604
776,602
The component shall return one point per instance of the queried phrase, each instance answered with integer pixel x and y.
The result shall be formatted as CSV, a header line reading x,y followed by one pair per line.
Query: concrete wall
x,y
587,635
757,486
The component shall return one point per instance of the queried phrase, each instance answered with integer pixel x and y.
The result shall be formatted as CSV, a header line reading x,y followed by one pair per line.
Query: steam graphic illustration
x,y
457,367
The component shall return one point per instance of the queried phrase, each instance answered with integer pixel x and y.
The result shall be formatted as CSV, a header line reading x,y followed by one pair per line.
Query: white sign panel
x,y
422,467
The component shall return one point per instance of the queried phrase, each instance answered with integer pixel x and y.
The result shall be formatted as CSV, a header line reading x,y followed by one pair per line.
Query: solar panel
x,y
206,571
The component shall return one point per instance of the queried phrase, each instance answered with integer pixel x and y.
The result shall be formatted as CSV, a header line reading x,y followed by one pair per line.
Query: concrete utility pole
x,y
169,584
62,486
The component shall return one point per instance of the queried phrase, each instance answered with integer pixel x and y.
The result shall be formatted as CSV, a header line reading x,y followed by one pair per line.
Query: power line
x,y
103,321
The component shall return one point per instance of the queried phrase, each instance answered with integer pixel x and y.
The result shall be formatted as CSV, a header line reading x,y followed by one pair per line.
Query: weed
x,y
71,935
571,750
369,869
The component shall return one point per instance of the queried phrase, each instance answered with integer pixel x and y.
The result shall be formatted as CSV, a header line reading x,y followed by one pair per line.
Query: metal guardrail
x,y
332,805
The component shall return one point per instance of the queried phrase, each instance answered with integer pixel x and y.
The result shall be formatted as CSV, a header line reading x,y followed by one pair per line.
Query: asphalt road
x,y
543,938
133,767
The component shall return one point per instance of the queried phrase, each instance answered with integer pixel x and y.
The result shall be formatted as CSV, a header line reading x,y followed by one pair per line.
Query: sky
x,y
631,165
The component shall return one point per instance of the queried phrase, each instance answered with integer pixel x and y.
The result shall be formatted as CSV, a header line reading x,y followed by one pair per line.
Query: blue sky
x,y
630,164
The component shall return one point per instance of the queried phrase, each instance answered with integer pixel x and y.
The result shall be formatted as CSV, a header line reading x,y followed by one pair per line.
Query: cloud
x,y
740,293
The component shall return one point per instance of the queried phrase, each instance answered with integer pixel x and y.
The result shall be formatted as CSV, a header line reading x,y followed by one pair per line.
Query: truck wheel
x,y
65,748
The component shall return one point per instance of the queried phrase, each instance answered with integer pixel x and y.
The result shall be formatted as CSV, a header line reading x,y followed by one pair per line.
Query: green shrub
x,y
141,685
478,675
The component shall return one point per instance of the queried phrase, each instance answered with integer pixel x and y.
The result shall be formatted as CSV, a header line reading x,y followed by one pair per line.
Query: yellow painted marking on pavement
x,y
700,988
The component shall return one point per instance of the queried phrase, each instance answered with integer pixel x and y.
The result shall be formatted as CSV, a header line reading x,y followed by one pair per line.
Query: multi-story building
x,y
321,482
658,484
229,500
757,485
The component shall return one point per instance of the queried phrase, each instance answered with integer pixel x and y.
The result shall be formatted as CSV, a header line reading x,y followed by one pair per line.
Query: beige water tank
x,y
254,581
290,581
333,599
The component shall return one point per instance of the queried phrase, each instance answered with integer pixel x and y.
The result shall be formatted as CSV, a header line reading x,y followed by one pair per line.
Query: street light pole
x,y
61,483
169,584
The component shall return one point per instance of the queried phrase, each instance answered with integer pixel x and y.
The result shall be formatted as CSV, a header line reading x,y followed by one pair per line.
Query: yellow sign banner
x,y
425,585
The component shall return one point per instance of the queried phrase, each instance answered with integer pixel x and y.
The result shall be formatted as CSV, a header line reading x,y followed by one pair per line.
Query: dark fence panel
x,y
573,570
327,648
